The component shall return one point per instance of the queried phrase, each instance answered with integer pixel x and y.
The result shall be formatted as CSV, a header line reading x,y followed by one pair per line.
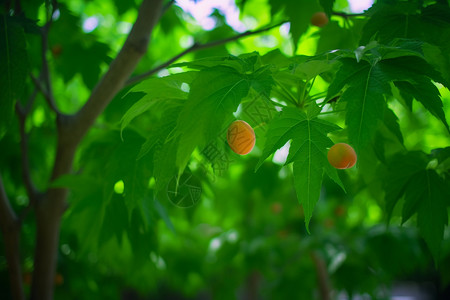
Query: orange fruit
x,y
342,156
241,137
319,19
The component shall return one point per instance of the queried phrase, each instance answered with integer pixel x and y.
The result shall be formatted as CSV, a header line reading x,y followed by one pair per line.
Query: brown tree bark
x,y
71,130
10,227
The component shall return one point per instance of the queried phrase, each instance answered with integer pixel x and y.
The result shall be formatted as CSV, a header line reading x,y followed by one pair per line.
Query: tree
x,y
124,160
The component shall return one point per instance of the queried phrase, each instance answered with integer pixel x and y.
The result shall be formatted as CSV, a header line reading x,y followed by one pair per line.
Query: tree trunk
x,y
48,220
71,130
10,227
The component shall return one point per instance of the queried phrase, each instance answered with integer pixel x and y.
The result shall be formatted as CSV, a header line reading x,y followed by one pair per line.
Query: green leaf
x,y
313,67
412,76
391,122
308,152
115,220
163,214
364,88
327,6
389,21
428,95
299,13
242,63
13,69
425,193
332,36
401,168
160,94
432,212
215,94
407,20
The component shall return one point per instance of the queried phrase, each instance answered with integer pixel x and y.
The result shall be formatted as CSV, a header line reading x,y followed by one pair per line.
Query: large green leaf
x,y
13,68
432,210
406,19
160,94
401,168
365,86
214,95
413,77
425,193
308,152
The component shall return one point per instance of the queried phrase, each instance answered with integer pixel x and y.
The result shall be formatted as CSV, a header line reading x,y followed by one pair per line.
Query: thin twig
x,y
45,71
196,47
29,104
45,92
345,15
287,93
322,275
28,182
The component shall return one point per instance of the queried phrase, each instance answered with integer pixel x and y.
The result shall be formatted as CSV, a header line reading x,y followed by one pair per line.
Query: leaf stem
x,y
45,92
287,93
346,15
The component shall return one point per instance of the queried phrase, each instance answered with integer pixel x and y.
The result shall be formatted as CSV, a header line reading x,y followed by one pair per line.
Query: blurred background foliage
x,y
246,237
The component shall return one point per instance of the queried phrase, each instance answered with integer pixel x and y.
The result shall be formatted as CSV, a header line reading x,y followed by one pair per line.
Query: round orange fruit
x,y
319,19
342,156
241,137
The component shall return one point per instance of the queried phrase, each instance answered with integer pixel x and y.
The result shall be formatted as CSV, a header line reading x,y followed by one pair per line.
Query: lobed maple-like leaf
x,y
308,152
424,192
364,86
409,20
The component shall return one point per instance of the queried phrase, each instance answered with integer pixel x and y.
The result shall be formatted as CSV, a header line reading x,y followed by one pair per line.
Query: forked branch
x,y
120,69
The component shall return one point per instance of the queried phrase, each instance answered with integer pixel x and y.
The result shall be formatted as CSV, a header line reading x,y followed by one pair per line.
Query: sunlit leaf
x,y
308,152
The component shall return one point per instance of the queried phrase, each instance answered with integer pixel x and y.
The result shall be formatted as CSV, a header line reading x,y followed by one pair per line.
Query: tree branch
x,y
120,69
45,92
322,276
71,129
10,228
197,47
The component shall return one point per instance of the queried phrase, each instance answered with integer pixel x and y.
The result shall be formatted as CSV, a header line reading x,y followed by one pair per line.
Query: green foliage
x,y
299,14
377,80
425,193
366,81
308,152
13,67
